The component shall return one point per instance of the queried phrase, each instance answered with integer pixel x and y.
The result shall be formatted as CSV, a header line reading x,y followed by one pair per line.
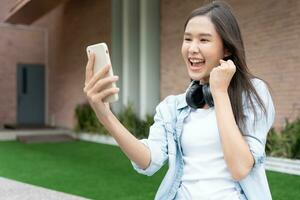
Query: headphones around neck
x,y
198,95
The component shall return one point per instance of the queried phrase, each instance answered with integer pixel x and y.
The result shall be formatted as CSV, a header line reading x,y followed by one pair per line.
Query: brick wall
x,y
17,45
271,33
71,27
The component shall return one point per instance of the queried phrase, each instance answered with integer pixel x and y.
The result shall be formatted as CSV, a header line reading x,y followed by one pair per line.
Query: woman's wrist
x,y
219,94
106,118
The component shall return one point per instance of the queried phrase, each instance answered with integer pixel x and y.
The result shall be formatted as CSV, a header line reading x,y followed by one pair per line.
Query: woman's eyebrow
x,y
200,34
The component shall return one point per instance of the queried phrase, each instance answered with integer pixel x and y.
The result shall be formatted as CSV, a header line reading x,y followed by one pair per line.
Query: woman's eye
x,y
187,39
204,40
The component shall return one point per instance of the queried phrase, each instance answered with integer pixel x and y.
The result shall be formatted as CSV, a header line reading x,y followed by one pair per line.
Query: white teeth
x,y
196,60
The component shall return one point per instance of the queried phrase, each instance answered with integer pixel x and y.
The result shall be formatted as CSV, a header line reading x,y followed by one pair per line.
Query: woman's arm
x,y
130,145
95,90
236,150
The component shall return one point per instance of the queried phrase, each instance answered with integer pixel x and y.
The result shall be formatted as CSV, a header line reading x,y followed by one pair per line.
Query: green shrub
x,y
285,143
135,125
277,145
292,131
87,121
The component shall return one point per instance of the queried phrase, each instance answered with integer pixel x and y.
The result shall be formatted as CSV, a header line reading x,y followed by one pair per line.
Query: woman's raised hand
x,y
96,87
221,76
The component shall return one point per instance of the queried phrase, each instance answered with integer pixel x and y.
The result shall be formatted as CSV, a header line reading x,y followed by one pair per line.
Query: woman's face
x,y
202,48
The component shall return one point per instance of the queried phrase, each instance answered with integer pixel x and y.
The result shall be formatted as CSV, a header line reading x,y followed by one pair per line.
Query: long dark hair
x,y
228,29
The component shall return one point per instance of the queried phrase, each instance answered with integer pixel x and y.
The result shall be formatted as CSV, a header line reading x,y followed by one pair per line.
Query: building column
x,y
131,55
150,56
116,51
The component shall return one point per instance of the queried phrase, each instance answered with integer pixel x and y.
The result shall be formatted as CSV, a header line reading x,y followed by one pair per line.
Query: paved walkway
x,y
12,134
13,190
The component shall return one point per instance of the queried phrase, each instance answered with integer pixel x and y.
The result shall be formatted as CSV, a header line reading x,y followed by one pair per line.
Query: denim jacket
x,y
164,145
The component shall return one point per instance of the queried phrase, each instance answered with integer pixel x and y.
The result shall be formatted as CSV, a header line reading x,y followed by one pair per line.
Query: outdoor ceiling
x,y
27,11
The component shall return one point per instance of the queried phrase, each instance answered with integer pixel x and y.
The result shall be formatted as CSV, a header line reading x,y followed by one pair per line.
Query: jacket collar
x,y
181,101
181,98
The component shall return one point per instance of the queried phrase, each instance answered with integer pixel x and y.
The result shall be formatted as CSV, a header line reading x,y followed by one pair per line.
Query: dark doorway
x,y
30,94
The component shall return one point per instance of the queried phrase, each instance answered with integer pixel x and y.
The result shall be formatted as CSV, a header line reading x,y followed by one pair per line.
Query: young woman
x,y
213,136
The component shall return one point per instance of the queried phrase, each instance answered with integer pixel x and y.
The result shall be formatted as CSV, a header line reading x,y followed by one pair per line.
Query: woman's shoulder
x,y
174,100
170,104
262,90
259,83
261,87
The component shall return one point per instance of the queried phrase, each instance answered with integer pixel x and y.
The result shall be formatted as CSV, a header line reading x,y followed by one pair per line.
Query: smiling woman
x,y
202,48
213,135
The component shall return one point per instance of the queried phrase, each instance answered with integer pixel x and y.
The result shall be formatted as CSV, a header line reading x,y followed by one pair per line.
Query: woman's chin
x,y
198,77
195,77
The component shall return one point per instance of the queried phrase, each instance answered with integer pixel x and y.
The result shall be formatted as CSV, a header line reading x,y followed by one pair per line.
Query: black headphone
x,y
198,95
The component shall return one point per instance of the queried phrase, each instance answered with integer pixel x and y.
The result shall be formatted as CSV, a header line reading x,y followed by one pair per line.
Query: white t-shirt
x,y
205,173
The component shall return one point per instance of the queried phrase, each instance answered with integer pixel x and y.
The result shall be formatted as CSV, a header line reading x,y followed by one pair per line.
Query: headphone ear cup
x,y
194,96
207,95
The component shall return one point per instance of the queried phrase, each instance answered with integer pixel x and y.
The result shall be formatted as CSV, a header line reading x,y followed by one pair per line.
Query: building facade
x,y
144,38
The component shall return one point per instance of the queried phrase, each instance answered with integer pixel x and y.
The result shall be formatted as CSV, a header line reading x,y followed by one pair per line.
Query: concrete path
x,y
10,135
13,190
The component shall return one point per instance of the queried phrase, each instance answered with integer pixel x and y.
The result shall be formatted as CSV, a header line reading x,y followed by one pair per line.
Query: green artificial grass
x,y
86,169
98,171
284,186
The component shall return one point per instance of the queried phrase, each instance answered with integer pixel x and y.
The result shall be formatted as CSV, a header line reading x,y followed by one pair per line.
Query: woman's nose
x,y
194,48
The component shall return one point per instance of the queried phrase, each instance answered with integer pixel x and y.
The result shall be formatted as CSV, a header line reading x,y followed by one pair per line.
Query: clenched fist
x,y
221,76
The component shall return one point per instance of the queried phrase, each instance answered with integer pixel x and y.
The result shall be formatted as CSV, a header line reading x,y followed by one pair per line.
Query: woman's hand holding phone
x,y
97,91
96,88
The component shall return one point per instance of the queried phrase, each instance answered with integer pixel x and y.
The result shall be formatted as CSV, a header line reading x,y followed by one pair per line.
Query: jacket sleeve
x,y
156,142
255,130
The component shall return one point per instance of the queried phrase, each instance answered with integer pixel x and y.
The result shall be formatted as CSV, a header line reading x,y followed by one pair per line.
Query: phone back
x,y
102,58
101,55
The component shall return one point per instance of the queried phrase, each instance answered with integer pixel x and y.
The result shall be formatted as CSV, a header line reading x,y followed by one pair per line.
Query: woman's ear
x,y
226,53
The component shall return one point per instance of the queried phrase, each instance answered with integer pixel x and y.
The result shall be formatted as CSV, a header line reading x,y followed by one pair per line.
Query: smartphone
x,y
102,58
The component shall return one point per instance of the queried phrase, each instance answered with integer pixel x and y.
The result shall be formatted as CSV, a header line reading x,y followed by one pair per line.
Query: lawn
x,y
98,171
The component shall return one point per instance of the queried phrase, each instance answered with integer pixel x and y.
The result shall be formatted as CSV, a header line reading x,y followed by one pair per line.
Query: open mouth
x,y
196,63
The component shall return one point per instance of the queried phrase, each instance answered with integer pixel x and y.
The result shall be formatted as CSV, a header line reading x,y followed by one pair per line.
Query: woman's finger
x,y
89,68
105,93
231,63
103,83
100,74
223,66
222,61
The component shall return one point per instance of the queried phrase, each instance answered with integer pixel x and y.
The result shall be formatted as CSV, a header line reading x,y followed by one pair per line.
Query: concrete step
x,y
13,134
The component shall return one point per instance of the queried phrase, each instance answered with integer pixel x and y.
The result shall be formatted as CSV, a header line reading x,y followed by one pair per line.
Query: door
x,y
30,94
